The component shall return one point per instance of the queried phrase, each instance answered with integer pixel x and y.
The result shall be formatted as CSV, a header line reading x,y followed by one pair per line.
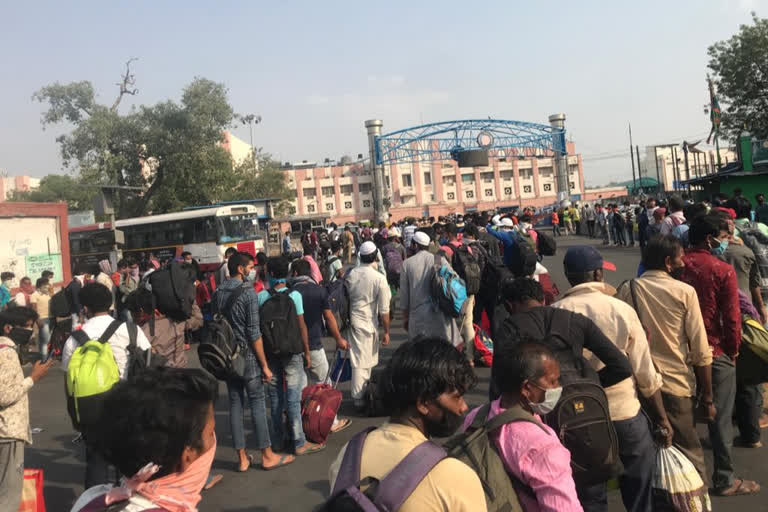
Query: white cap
x,y
421,238
393,232
367,248
495,220
507,222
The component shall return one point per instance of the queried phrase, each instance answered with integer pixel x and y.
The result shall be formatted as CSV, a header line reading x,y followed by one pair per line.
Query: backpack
x,y
173,290
393,262
755,336
523,259
581,417
448,289
60,304
493,275
220,354
758,242
546,244
467,267
475,448
325,269
338,298
91,373
280,325
392,491
483,347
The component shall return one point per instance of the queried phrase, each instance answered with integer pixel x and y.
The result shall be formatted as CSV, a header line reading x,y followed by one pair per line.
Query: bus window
x,y
235,228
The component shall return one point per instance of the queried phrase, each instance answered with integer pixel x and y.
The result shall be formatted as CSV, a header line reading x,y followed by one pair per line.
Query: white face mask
x,y
252,275
551,397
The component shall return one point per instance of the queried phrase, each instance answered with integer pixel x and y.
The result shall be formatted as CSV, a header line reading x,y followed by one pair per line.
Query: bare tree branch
x,y
126,85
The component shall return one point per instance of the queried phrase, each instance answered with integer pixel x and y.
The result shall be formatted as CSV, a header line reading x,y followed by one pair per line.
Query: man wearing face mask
x,y
718,292
529,381
669,311
423,387
15,331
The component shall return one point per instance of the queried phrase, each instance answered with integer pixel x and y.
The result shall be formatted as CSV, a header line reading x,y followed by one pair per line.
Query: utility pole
x,y
632,157
639,171
659,186
250,120
675,167
380,213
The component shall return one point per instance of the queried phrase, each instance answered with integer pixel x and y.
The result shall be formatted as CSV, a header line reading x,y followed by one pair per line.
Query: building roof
x,y
732,170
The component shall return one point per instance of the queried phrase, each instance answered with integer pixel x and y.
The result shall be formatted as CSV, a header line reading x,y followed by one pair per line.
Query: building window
x,y
327,191
427,178
506,175
547,187
573,168
527,189
406,179
526,173
346,189
292,210
487,177
386,178
348,205
488,192
366,203
545,171
365,188
329,206
467,178
572,184
470,194
451,196
507,191
308,192
449,180
311,208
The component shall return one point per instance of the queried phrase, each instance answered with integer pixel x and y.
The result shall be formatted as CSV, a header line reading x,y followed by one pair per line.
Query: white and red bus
x,y
204,232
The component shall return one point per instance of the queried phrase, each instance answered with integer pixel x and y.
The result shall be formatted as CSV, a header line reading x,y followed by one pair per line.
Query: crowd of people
x,y
666,349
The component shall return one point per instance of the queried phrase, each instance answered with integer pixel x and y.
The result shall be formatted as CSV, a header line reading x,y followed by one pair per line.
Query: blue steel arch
x,y
440,141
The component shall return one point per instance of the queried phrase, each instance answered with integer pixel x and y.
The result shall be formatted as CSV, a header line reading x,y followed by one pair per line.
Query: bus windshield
x,y
235,228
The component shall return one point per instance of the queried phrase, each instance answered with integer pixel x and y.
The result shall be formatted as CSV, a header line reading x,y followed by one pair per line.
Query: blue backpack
x,y
448,290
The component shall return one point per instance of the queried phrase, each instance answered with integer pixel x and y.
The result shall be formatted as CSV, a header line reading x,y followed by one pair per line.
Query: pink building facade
x,y
344,193
20,183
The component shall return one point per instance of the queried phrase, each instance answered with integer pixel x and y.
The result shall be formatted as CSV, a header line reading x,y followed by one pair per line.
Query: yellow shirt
x,y
41,300
669,310
451,486
620,324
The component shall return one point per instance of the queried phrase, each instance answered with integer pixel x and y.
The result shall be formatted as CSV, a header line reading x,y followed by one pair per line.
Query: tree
x,y
264,180
740,69
55,188
170,150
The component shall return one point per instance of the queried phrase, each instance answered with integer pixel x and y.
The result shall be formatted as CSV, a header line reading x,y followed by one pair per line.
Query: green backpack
x,y
91,373
755,336
475,448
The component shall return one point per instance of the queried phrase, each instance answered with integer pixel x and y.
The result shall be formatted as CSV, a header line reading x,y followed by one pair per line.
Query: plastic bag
x,y
32,492
677,486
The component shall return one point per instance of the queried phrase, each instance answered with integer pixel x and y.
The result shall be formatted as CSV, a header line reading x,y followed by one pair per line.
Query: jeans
x,y
618,235
750,373
591,228
721,429
638,455
44,335
253,387
631,232
556,230
285,395
318,366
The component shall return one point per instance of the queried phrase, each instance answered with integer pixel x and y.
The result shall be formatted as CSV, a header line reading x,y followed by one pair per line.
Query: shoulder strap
x,y
234,295
395,488
80,336
481,417
104,338
511,415
133,333
349,472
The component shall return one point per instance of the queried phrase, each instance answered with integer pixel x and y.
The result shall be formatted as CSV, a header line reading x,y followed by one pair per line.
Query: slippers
x,y
312,448
250,461
212,480
341,425
283,461
739,487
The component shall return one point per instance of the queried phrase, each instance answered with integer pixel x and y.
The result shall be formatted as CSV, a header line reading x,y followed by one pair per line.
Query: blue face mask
x,y
720,249
273,282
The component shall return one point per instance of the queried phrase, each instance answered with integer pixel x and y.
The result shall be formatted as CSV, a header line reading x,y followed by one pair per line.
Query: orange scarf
x,y
177,492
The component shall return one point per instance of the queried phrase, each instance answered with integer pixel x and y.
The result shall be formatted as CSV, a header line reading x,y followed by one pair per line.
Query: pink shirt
x,y
316,274
539,461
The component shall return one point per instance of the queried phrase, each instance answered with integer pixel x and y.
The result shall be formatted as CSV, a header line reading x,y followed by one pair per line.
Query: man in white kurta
x,y
369,297
422,316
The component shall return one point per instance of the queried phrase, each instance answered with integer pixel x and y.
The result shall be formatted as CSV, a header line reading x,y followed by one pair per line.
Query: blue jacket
x,y
508,239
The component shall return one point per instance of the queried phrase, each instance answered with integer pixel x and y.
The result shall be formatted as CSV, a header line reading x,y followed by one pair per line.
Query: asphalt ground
x,y
304,484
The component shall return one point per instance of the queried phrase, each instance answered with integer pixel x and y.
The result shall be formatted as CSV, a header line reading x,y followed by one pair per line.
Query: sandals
x,y
212,480
283,461
310,448
341,425
240,469
739,487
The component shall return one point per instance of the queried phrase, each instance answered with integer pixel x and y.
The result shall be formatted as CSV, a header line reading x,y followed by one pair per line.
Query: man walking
x,y
589,215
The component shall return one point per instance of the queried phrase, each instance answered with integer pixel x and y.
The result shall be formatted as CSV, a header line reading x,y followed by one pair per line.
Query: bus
x,y
204,232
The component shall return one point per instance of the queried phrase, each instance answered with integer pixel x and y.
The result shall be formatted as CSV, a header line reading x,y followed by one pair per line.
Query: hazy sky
x,y
316,70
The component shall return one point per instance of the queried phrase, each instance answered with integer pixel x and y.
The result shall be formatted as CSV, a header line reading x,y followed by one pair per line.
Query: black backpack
x,y
61,304
467,267
173,290
546,244
338,298
581,417
523,258
220,354
351,493
325,270
280,325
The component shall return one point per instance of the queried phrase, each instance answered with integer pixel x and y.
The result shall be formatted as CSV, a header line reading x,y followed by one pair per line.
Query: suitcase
x,y
319,405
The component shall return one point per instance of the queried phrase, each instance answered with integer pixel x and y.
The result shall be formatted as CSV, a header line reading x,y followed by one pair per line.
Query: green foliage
x,y
740,68
260,177
57,188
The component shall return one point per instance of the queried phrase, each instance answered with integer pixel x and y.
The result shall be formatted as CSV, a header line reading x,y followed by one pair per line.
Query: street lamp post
x,y
250,120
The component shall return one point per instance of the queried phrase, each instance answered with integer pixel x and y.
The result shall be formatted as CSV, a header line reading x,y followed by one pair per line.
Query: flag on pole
x,y
714,112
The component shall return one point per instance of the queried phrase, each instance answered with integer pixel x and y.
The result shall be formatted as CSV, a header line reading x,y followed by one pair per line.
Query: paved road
x,y
303,484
